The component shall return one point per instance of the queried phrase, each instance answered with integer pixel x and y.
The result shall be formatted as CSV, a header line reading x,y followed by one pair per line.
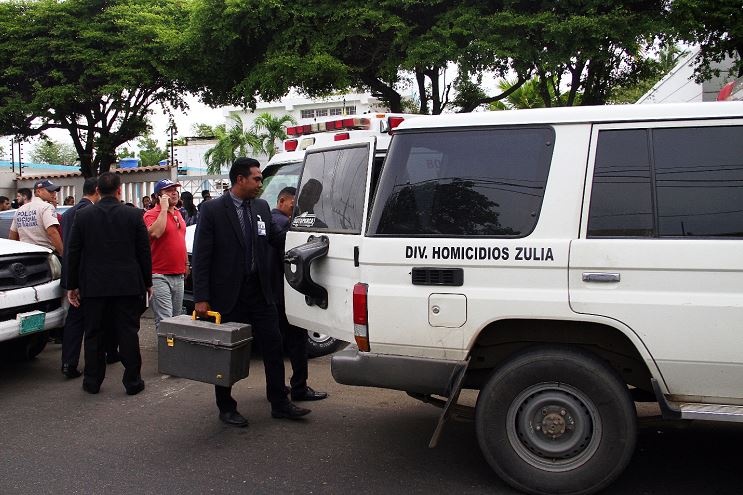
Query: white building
x,y
679,86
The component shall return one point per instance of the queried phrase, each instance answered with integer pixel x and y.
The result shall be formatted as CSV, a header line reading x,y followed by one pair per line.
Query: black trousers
x,y
295,343
72,339
119,316
251,307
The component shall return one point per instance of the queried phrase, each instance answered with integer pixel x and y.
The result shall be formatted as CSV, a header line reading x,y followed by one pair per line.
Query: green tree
x,y
656,69
526,95
232,142
53,152
716,26
92,68
123,152
150,153
203,130
270,129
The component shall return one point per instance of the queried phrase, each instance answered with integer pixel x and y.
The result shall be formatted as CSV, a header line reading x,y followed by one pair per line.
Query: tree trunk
x,y
420,78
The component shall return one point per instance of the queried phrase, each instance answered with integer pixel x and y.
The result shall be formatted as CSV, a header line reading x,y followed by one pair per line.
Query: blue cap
x,y
165,184
46,184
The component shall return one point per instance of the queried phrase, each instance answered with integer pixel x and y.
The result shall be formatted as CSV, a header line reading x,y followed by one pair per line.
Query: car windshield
x,y
278,176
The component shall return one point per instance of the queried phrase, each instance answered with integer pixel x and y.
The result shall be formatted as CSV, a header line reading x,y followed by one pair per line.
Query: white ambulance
x,y
284,169
562,262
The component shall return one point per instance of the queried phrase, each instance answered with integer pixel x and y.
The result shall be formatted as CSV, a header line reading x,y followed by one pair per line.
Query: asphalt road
x,y
57,439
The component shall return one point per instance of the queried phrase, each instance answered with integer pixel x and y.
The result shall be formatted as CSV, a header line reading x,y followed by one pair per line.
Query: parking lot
x,y
56,439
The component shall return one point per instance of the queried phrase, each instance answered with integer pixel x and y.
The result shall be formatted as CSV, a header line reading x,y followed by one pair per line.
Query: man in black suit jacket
x,y
110,269
72,338
231,275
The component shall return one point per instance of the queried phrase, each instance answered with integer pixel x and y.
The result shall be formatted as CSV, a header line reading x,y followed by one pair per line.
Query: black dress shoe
x,y
289,411
233,418
91,389
70,371
308,394
135,389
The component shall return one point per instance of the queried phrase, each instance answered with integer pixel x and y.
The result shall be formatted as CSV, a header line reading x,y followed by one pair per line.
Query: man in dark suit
x,y
110,270
231,275
72,338
295,338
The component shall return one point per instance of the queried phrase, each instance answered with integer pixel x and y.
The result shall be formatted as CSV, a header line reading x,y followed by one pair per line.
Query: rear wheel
x,y
556,420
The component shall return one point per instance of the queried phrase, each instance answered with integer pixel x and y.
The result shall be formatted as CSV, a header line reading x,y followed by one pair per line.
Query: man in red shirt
x,y
168,245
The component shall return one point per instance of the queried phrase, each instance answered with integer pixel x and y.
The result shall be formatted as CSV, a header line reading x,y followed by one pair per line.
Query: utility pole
x,y
20,158
12,156
173,131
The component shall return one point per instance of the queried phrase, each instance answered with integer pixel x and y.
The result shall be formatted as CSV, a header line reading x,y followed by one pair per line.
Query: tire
x,y
321,345
575,396
28,347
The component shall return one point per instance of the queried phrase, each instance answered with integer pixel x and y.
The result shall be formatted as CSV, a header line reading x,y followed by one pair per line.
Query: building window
x,y
308,114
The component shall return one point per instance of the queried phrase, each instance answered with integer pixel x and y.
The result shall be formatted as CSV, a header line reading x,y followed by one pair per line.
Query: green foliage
x,y
656,69
123,153
577,50
92,68
53,152
232,142
150,153
716,26
203,130
270,129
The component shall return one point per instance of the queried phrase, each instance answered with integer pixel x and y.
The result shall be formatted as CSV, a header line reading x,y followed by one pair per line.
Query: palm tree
x,y
527,96
270,129
231,143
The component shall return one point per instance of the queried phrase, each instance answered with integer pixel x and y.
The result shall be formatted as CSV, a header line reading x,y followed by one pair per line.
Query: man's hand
x,y
73,296
164,202
202,308
149,293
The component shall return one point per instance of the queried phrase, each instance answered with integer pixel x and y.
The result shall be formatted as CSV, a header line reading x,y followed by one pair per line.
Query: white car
x,y
30,297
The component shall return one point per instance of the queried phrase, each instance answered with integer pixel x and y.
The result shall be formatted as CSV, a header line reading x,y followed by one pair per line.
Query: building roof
x,y
52,174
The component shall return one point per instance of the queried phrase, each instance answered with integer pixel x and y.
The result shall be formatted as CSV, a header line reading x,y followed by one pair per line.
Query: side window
x,y
332,190
691,185
487,182
621,196
699,181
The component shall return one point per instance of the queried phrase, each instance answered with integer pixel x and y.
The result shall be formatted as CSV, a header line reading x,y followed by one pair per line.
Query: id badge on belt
x,y
261,225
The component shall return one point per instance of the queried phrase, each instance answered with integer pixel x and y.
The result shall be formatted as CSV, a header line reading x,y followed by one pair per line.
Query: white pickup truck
x,y
30,298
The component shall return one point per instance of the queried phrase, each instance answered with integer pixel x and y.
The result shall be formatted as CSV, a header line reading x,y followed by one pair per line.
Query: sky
x,y
198,113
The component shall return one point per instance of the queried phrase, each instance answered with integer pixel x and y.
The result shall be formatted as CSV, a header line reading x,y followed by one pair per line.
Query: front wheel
x,y
556,420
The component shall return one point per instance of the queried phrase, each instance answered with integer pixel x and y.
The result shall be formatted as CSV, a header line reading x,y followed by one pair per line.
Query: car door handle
x,y
600,277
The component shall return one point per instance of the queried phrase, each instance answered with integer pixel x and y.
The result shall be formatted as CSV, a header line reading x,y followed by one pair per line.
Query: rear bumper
x,y
406,373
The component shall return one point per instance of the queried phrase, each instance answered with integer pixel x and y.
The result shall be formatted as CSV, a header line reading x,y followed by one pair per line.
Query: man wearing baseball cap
x,y
36,221
167,231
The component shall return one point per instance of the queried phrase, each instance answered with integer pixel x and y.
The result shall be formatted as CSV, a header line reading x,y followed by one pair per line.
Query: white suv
x,y
562,262
30,297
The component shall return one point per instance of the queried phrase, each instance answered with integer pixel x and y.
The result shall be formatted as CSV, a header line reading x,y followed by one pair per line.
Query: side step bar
x,y
697,411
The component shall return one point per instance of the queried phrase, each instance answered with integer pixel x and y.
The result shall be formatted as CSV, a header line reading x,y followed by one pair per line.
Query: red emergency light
x,y
291,145
394,122
341,136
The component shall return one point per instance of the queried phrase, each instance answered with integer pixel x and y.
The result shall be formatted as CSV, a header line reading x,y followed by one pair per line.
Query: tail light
x,y
361,316
290,145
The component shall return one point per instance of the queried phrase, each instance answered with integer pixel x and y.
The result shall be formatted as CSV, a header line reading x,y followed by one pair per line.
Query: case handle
x,y
215,314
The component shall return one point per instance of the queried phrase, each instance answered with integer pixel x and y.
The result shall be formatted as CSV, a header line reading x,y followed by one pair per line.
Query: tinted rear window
x,y
332,191
487,182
